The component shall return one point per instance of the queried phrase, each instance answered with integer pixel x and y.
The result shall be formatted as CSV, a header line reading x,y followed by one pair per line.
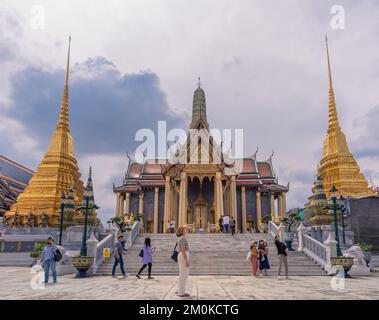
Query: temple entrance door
x,y
201,217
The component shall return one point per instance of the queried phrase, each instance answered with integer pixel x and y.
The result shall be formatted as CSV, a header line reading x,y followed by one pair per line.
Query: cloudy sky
x,y
261,63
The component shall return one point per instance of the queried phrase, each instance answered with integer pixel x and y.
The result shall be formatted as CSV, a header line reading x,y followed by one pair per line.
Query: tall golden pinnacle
x,y
56,174
338,166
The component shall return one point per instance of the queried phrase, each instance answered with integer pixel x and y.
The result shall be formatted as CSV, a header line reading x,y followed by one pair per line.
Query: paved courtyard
x,y
16,284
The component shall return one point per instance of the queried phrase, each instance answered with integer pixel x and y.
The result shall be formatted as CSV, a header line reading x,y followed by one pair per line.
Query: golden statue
x,y
338,166
56,174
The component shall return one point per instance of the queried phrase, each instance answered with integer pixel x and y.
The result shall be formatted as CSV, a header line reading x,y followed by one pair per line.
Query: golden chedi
x,y
338,166
56,174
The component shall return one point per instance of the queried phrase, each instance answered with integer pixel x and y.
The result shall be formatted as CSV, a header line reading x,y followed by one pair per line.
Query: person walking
x,y
264,265
147,259
48,260
232,225
254,258
221,223
226,221
282,253
119,250
183,260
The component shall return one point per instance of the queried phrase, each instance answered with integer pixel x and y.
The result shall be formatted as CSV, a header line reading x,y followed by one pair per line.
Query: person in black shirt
x,y
282,253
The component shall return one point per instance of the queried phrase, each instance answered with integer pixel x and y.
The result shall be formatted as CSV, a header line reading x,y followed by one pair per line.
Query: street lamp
x,y
63,204
83,249
333,193
343,211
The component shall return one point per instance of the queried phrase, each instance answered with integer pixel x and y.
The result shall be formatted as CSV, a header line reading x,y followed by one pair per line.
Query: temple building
x,y
198,193
338,166
40,202
14,177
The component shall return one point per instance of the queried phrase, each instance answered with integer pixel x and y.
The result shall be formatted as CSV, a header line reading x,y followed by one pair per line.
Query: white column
x,y
233,199
127,202
259,209
272,207
117,204
182,199
122,201
243,206
167,203
156,201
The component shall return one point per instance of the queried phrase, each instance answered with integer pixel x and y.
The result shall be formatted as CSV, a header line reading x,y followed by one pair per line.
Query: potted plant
x,y
82,264
366,248
38,247
290,221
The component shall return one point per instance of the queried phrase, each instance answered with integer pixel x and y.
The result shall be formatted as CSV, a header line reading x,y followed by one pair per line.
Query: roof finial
x,y
198,82
63,117
68,60
333,117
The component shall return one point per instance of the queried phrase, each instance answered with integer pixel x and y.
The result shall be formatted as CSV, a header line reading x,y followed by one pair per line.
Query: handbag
x,y
175,254
141,253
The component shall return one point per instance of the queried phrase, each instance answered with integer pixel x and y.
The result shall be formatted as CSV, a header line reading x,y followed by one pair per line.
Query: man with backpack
x,y
118,251
50,255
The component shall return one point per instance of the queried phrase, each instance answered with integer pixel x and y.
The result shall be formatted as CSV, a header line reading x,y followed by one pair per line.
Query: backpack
x,y
57,255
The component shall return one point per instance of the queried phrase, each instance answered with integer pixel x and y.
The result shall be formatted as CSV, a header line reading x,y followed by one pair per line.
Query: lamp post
x,y
83,249
333,193
343,211
63,204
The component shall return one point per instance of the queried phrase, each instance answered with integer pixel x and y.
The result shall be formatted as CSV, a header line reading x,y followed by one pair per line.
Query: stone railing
x,y
314,250
319,252
95,248
273,229
132,234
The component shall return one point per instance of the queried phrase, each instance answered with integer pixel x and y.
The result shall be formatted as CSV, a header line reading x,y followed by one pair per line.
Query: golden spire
x,y
63,116
333,117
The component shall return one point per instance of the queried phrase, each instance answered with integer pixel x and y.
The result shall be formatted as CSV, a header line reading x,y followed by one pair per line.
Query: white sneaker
x,y
279,278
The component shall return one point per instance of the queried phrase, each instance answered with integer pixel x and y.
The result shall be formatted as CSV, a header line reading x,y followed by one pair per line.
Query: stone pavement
x,y
16,284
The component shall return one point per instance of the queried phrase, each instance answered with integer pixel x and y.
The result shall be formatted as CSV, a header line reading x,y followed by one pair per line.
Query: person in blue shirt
x,y
48,260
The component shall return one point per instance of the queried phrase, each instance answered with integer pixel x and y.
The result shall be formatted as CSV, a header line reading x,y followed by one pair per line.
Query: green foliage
x,y
38,247
365,246
291,220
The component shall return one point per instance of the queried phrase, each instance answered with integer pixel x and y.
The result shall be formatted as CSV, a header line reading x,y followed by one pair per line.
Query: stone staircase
x,y
211,254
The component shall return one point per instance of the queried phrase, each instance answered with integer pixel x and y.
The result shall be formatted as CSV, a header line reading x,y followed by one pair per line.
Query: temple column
x,y
243,206
182,199
122,200
259,209
127,202
140,203
284,204
233,200
167,203
156,199
272,207
218,197
118,204
279,211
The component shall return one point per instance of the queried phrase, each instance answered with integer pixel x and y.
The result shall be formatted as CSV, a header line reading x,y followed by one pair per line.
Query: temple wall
x,y
239,208
134,203
161,209
251,205
265,201
148,204
208,192
193,191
